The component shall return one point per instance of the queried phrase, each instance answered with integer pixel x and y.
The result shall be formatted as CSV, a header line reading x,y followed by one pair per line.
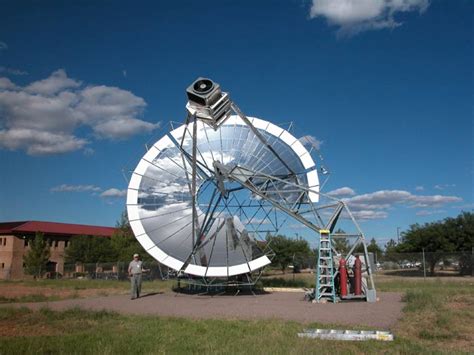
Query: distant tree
x,y
90,249
391,252
461,232
282,249
36,259
288,251
431,237
390,246
374,248
303,255
341,244
124,243
441,237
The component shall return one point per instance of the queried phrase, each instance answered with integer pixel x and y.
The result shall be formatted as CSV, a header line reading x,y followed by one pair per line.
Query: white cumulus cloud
x,y
58,81
93,189
444,186
429,212
75,188
355,16
368,214
113,192
311,141
12,71
375,205
341,192
44,117
386,198
6,84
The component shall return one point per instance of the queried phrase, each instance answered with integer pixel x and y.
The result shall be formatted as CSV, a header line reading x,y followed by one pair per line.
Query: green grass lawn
x,y
77,331
438,318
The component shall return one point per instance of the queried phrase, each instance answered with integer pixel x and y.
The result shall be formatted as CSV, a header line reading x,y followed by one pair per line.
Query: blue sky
x,y
385,86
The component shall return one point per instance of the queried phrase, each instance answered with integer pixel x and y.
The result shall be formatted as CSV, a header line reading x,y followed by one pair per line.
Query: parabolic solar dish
x,y
231,218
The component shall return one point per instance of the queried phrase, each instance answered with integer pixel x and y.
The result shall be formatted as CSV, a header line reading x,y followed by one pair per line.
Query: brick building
x,y
15,238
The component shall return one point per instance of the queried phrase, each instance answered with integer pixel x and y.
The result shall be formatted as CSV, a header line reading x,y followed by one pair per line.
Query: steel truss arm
x,y
244,176
236,175
260,136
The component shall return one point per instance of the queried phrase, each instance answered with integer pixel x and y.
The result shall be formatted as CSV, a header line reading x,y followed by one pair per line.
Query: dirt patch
x,y
279,305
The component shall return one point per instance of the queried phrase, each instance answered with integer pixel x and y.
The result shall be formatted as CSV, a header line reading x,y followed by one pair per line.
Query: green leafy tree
x,y
90,249
461,232
281,247
303,256
438,238
374,248
341,244
36,260
289,251
431,237
124,243
391,253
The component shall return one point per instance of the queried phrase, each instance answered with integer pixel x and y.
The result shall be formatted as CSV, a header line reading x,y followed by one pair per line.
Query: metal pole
x,y
424,264
195,233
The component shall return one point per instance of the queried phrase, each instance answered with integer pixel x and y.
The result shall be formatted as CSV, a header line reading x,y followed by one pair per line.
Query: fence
x,y
428,263
115,271
402,264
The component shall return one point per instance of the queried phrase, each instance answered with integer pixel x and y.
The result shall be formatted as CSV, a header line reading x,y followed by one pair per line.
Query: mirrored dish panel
x,y
159,201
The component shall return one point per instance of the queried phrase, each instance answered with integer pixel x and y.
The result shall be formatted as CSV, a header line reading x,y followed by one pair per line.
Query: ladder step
x,y
325,275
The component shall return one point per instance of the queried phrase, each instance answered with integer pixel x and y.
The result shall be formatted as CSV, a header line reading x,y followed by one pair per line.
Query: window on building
x,y
66,243
56,243
4,241
1,241
3,265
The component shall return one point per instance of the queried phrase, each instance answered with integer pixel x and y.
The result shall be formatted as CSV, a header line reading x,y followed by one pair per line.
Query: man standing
x,y
135,269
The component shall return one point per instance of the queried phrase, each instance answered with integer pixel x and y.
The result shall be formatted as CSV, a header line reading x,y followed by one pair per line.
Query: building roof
x,y
54,228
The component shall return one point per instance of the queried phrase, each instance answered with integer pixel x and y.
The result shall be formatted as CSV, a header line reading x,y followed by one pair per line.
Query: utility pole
x,y
398,235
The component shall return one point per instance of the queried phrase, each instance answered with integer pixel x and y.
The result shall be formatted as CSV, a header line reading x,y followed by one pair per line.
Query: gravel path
x,y
277,305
